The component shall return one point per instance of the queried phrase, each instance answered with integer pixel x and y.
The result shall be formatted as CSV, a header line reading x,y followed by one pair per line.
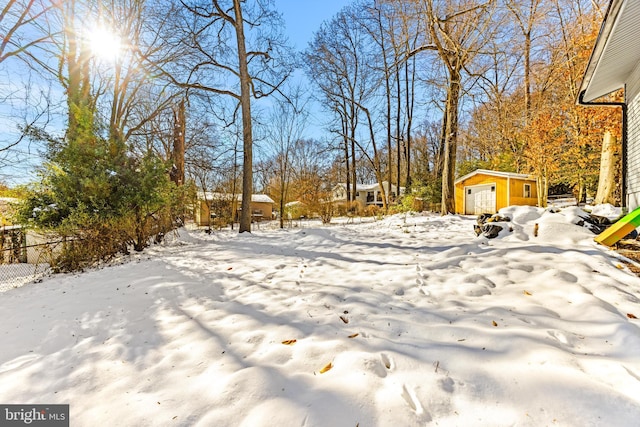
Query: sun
x,y
105,44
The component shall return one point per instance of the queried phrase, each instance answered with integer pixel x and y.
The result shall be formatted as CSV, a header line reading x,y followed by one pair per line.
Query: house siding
x,y
366,194
633,140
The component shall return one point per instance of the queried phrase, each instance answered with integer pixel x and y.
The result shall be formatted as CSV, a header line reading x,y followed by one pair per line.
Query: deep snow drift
x,y
408,321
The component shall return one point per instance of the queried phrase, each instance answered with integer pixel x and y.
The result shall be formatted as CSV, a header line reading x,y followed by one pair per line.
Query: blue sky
x,y
303,17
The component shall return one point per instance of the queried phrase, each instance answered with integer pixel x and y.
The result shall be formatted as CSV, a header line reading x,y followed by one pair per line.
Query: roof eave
x,y
608,23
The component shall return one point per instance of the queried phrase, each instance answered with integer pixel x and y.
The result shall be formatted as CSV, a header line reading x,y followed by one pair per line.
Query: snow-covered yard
x,y
408,321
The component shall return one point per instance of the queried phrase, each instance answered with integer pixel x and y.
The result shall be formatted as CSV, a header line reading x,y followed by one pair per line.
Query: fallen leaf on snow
x,y
631,316
353,335
344,319
527,293
494,323
289,342
326,368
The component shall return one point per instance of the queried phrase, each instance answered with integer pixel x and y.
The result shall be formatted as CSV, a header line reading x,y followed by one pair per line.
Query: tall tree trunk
x,y
282,200
606,182
177,156
527,77
410,89
387,86
79,104
348,172
247,133
398,132
354,176
450,143
540,179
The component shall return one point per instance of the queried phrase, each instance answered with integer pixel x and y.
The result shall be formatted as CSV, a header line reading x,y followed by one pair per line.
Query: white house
x,y
614,65
366,194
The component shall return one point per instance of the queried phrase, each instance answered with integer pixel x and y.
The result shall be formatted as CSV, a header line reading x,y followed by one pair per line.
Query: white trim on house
x,y
496,173
615,55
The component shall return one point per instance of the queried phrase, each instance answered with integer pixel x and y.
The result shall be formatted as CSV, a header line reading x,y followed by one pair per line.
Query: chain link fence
x,y
24,258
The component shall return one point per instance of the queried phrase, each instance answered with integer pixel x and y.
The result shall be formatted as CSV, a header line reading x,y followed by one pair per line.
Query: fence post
x,y
23,252
2,240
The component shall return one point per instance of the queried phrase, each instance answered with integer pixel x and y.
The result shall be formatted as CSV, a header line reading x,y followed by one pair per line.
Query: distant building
x,y
366,194
5,209
210,206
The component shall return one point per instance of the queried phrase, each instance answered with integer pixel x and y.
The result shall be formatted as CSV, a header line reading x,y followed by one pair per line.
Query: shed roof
x,y
256,198
496,173
615,54
366,187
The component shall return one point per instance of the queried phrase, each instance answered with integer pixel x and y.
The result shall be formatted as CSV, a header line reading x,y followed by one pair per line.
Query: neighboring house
x,y
366,194
5,209
614,65
486,191
215,205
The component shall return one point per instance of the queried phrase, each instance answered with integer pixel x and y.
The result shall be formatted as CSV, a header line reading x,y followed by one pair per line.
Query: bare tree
x,y
458,30
527,14
234,49
312,177
288,121
333,63
339,61
24,27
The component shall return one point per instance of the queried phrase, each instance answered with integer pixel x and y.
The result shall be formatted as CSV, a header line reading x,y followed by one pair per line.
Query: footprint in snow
x,y
387,361
376,367
559,336
527,321
409,395
447,384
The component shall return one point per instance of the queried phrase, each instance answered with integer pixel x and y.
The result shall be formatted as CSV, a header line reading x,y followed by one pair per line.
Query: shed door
x,y
480,199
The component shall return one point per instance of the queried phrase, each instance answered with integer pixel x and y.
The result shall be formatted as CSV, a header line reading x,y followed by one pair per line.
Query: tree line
x,y
412,92
428,90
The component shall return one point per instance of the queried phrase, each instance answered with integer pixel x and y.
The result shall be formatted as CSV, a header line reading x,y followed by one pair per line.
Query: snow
x,y
605,210
422,323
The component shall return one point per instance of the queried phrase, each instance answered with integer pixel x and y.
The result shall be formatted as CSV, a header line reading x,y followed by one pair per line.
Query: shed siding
x,y
517,193
504,198
633,140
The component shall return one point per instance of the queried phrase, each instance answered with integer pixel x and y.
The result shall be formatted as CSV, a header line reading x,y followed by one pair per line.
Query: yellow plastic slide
x,y
621,228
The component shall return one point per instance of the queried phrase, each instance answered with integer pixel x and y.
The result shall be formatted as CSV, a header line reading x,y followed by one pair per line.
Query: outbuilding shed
x,y
487,191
